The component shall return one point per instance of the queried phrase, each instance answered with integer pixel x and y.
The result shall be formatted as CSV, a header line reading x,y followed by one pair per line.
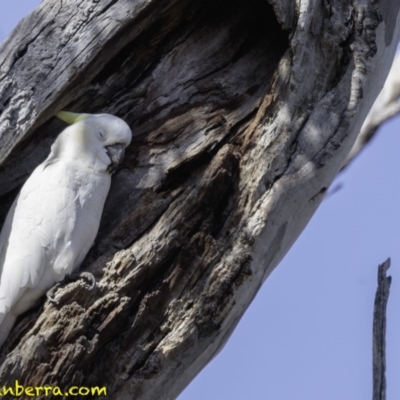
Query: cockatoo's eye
x,y
101,134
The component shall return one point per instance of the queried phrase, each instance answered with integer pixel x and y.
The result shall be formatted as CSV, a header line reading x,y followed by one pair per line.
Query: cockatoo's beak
x,y
70,117
116,153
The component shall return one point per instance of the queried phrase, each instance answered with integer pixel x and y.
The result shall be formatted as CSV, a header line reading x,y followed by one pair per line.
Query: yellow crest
x,y
70,117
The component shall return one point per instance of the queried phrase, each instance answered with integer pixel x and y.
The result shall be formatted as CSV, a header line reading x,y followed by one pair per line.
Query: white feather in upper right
x,y
55,218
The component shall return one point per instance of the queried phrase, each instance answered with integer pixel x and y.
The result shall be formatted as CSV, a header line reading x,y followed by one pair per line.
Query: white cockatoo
x,y
55,218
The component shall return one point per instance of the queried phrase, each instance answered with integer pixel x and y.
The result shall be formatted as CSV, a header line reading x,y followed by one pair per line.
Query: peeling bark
x,y
386,107
242,113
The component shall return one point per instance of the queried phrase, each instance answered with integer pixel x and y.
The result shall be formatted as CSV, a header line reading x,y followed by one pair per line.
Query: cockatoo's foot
x,y
89,277
51,293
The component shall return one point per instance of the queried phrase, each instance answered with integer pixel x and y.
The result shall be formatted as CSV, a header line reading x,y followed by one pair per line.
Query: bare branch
x,y
379,332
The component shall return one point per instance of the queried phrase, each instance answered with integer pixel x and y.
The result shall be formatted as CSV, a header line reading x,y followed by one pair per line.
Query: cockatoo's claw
x,y
86,276
51,294
89,277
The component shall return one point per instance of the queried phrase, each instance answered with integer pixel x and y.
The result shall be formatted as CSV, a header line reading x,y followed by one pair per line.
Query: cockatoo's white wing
x,y
38,227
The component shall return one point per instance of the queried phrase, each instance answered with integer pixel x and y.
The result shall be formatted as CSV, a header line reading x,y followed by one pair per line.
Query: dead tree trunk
x,y
242,113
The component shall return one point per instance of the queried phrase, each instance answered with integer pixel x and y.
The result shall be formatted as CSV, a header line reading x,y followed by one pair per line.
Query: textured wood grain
x,y
242,113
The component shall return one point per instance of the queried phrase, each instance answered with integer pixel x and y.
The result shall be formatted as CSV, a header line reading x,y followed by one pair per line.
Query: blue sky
x,y
308,333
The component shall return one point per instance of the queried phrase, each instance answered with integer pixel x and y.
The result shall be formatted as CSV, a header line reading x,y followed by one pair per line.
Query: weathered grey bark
x,y
379,332
242,114
386,107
